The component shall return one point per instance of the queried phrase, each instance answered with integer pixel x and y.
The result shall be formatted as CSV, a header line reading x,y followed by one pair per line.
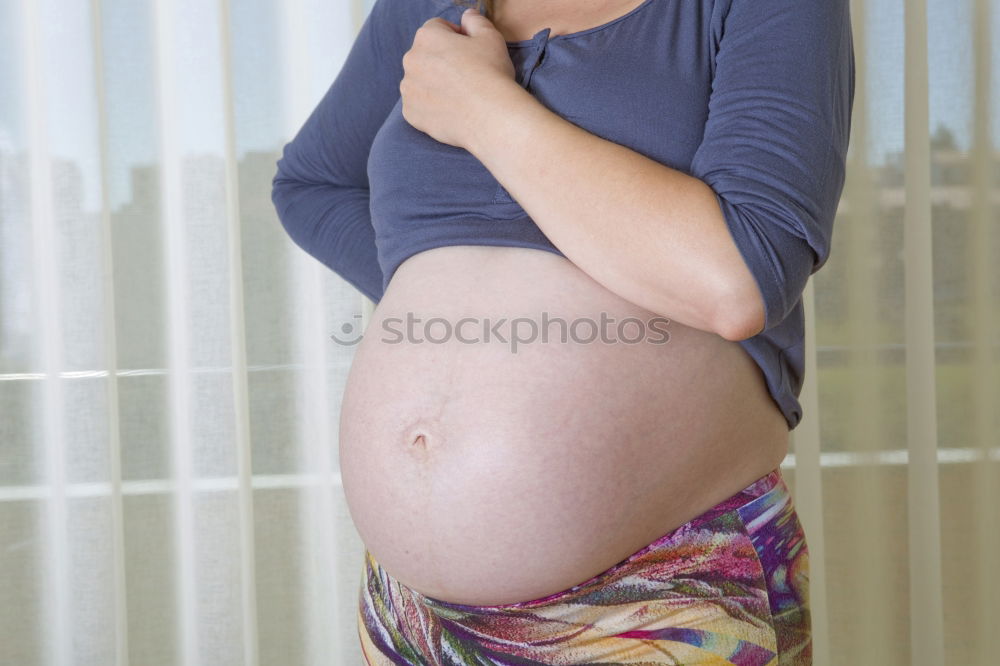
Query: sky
x,y
282,66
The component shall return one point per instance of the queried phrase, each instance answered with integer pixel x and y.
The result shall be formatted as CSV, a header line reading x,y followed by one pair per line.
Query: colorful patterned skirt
x,y
730,586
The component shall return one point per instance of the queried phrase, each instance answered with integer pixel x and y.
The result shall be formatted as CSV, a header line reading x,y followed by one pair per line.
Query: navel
x,y
422,437
419,439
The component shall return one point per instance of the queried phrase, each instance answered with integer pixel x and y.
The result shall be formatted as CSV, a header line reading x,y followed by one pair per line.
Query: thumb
x,y
473,22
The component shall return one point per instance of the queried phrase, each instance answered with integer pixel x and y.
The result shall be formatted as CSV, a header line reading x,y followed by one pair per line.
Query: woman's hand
x,y
452,75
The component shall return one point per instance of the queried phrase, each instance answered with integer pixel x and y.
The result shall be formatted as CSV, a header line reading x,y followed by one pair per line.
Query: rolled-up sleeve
x,y
775,142
320,190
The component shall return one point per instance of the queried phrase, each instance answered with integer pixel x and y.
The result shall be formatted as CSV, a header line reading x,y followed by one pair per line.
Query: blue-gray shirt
x,y
753,97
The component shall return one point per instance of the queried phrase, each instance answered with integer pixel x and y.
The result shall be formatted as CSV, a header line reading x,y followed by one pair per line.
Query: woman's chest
x,y
643,85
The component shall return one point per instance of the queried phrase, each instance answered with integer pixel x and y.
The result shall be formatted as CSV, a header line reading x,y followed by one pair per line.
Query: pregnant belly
x,y
486,464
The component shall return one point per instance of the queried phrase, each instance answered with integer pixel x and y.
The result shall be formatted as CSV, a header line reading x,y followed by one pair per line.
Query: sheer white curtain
x,y
169,491
169,390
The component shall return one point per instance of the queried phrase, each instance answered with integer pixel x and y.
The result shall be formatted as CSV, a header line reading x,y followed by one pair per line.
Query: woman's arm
x,y
320,190
764,183
649,233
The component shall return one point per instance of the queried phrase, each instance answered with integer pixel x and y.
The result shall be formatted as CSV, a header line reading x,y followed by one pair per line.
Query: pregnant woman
x,y
587,225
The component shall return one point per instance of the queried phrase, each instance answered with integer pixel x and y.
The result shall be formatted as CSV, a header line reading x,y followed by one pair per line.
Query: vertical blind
x,y
170,390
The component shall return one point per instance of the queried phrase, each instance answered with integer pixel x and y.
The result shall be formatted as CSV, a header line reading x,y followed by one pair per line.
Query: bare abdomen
x,y
480,475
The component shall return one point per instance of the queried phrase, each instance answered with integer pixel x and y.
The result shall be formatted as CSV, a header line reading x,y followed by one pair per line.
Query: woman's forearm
x,y
651,234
